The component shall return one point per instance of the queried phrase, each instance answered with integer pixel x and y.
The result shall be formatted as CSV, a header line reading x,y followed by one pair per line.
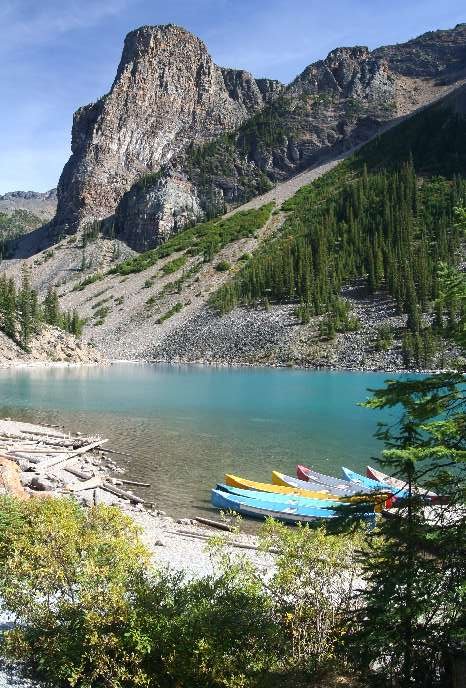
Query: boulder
x,y
10,479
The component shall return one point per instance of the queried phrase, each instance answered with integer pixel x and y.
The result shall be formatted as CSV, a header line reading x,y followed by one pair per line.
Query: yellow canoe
x,y
245,484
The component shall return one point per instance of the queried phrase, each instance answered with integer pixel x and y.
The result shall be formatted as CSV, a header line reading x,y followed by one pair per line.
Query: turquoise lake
x,y
185,426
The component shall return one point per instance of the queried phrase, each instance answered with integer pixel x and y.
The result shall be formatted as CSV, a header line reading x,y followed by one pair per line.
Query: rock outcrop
x,y
167,94
435,54
178,138
51,344
149,213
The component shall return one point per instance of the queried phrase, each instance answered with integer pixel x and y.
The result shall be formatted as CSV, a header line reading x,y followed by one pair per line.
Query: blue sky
x,y
56,55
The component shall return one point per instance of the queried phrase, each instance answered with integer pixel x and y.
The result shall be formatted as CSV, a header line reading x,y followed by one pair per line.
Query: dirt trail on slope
x,y
284,190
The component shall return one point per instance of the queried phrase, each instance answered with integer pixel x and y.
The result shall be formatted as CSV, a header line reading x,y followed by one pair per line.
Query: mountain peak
x,y
168,96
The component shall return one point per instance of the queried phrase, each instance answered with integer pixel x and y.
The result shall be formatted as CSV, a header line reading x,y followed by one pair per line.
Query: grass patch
x,y
176,309
176,286
174,265
151,301
96,277
223,266
100,315
205,239
100,303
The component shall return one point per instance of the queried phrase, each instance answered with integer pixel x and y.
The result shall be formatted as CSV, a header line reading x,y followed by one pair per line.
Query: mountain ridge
x,y
334,103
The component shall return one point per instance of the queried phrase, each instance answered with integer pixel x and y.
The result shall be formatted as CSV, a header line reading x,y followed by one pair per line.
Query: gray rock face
x,y
346,73
167,94
249,92
149,215
439,54
216,137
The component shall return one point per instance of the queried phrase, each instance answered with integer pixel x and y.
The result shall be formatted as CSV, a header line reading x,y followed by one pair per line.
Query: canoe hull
x,y
369,483
255,508
312,476
287,513
282,499
243,483
398,484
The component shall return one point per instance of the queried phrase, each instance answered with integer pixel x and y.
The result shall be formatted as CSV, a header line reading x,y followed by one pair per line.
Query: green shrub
x,y
96,277
223,266
174,265
100,314
69,576
384,340
93,613
204,239
101,302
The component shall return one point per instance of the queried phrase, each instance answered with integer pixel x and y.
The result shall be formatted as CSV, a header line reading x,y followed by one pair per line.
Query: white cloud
x,y
36,23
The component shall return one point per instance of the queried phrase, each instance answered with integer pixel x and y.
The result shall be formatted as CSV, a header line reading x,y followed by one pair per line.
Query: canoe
x,y
257,508
310,475
396,483
370,484
279,498
344,489
243,483
292,512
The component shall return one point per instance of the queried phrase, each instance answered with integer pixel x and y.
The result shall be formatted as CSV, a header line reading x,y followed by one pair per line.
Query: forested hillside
x,y
386,215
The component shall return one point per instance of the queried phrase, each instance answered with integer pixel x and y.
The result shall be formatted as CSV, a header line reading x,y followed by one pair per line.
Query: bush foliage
x,y
93,612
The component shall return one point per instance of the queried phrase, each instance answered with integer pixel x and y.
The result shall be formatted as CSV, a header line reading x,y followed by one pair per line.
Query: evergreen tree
x,y
76,324
52,308
412,615
8,307
413,322
27,307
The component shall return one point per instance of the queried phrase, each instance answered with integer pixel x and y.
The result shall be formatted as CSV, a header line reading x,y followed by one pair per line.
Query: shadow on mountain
x,y
34,242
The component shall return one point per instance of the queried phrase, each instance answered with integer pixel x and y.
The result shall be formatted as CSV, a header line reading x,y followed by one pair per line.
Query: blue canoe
x,y
282,499
370,484
290,512
257,508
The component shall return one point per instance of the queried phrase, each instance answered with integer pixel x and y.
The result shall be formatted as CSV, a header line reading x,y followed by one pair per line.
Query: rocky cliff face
x,y
217,137
435,54
166,95
346,73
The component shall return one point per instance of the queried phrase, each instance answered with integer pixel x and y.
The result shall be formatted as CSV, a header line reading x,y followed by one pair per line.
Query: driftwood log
x,y
214,524
54,461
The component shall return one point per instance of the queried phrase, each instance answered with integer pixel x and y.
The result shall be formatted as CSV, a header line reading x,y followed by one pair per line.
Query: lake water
x,y
186,426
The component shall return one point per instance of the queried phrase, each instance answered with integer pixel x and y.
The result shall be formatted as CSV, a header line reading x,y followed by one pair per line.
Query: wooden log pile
x,y
46,460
